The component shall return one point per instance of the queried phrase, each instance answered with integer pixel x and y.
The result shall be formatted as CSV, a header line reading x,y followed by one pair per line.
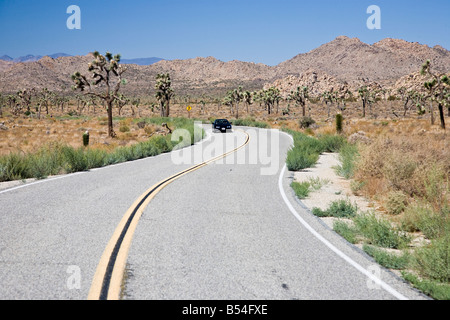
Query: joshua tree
x,y
341,97
12,102
437,88
270,97
135,104
228,101
164,93
367,97
44,97
300,95
247,97
2,101
237,96
25,97
329,97
106,75
121,102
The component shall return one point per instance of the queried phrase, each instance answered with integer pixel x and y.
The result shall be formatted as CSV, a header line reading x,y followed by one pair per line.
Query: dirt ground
x,y
28,134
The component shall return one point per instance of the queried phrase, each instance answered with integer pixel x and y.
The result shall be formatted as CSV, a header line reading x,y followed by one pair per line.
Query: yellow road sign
x,y
189,108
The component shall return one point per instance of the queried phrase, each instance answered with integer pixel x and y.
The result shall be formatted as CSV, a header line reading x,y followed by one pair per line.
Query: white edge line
x,y
353,263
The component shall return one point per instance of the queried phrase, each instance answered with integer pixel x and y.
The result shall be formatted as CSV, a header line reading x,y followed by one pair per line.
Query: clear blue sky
x,y
266,31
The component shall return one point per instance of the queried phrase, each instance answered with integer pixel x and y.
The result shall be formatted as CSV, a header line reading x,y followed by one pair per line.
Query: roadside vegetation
x,y
407,178
59,158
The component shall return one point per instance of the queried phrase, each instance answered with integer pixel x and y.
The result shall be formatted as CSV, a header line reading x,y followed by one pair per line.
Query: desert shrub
x,y
436,186
380,232
124,128
420,216
395,202
306,122
398,169
433,261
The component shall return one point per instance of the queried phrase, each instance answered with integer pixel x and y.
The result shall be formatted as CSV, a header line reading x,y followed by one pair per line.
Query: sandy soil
x,y
335,187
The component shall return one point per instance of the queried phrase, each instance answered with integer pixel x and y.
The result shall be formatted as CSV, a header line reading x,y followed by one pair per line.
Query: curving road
x,y
230,229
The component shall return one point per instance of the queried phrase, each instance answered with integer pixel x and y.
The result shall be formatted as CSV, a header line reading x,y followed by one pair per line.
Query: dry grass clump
x,y
403,163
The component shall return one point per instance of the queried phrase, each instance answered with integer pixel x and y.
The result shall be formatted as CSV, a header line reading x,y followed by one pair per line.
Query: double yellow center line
x,y
107,281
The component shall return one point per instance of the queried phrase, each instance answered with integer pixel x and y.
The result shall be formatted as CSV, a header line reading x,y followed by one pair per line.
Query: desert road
x,y
215,221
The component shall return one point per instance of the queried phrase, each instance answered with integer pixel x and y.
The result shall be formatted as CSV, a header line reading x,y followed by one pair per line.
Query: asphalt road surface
x,y
230,228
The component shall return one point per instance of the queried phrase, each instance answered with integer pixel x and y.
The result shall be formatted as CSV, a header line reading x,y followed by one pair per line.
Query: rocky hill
x,y
352,60
343,61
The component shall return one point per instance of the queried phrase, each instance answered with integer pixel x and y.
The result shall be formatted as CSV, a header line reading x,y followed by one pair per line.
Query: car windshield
x,y
222,121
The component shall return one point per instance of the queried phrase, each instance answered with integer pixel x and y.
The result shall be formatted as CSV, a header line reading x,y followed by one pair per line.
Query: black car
x,y
221,124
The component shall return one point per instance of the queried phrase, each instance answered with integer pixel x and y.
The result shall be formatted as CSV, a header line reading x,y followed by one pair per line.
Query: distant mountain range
x,y
33,58
342,62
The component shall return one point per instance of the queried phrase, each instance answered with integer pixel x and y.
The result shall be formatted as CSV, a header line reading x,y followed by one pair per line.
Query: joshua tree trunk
x,y
432,113
111,132
167,108
441,115
161,106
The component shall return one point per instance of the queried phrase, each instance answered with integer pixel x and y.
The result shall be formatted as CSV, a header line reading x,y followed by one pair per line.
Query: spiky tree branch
x,y
105,82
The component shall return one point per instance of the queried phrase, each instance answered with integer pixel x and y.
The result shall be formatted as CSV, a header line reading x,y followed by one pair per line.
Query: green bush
x,y
15,166
306,122
422,217
249,122
345,230
348,156
433,261
337,209
124,128
332,143
299,159
380,231
75,160
301,189
395,202
438,291
45,162
96,158
386,259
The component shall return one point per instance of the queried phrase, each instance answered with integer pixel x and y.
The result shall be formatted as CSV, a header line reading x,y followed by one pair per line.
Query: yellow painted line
x,y
106,284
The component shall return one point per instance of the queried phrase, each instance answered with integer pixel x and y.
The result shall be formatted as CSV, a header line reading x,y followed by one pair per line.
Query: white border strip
x,y
353,263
